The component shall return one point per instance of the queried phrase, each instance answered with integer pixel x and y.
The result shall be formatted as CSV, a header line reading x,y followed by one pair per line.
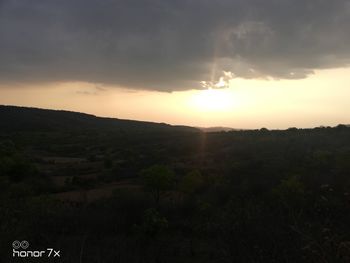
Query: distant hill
x,y
217,129
13,118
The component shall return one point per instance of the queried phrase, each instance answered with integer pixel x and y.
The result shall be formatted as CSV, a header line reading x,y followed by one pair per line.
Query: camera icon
x,y
20,244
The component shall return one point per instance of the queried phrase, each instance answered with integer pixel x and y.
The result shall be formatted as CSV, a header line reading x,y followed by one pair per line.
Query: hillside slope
x,y
13,118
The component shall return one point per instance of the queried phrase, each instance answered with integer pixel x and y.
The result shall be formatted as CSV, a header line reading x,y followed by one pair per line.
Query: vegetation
x,y
174,195
158,180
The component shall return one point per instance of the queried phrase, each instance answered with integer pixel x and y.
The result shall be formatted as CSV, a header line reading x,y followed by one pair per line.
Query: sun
x,y
212,100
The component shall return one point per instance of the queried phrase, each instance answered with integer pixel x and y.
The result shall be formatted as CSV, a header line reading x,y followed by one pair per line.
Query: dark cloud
x,y
170,45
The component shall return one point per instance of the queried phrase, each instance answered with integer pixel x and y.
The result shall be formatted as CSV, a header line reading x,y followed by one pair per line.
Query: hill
x,y
217,129
13,118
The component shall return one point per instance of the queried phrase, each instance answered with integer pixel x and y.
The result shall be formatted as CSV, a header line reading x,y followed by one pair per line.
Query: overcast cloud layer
x,y
170,44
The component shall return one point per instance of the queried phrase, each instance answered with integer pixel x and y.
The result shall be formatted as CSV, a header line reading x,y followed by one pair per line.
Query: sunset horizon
x,y
209,128
242,103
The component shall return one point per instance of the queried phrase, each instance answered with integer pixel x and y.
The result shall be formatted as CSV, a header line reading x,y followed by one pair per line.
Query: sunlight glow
x,y
212,100
320,99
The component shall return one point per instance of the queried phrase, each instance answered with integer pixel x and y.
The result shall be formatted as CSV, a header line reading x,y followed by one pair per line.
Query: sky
x,y
232,63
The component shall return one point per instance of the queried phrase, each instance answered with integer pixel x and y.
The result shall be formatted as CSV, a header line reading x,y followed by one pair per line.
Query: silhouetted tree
x,y
158,179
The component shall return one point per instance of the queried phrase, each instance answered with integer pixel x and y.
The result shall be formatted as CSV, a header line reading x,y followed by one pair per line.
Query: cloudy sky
x,y
271,63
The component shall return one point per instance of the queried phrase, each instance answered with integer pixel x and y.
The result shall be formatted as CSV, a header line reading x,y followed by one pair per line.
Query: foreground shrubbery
x,y
255,196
